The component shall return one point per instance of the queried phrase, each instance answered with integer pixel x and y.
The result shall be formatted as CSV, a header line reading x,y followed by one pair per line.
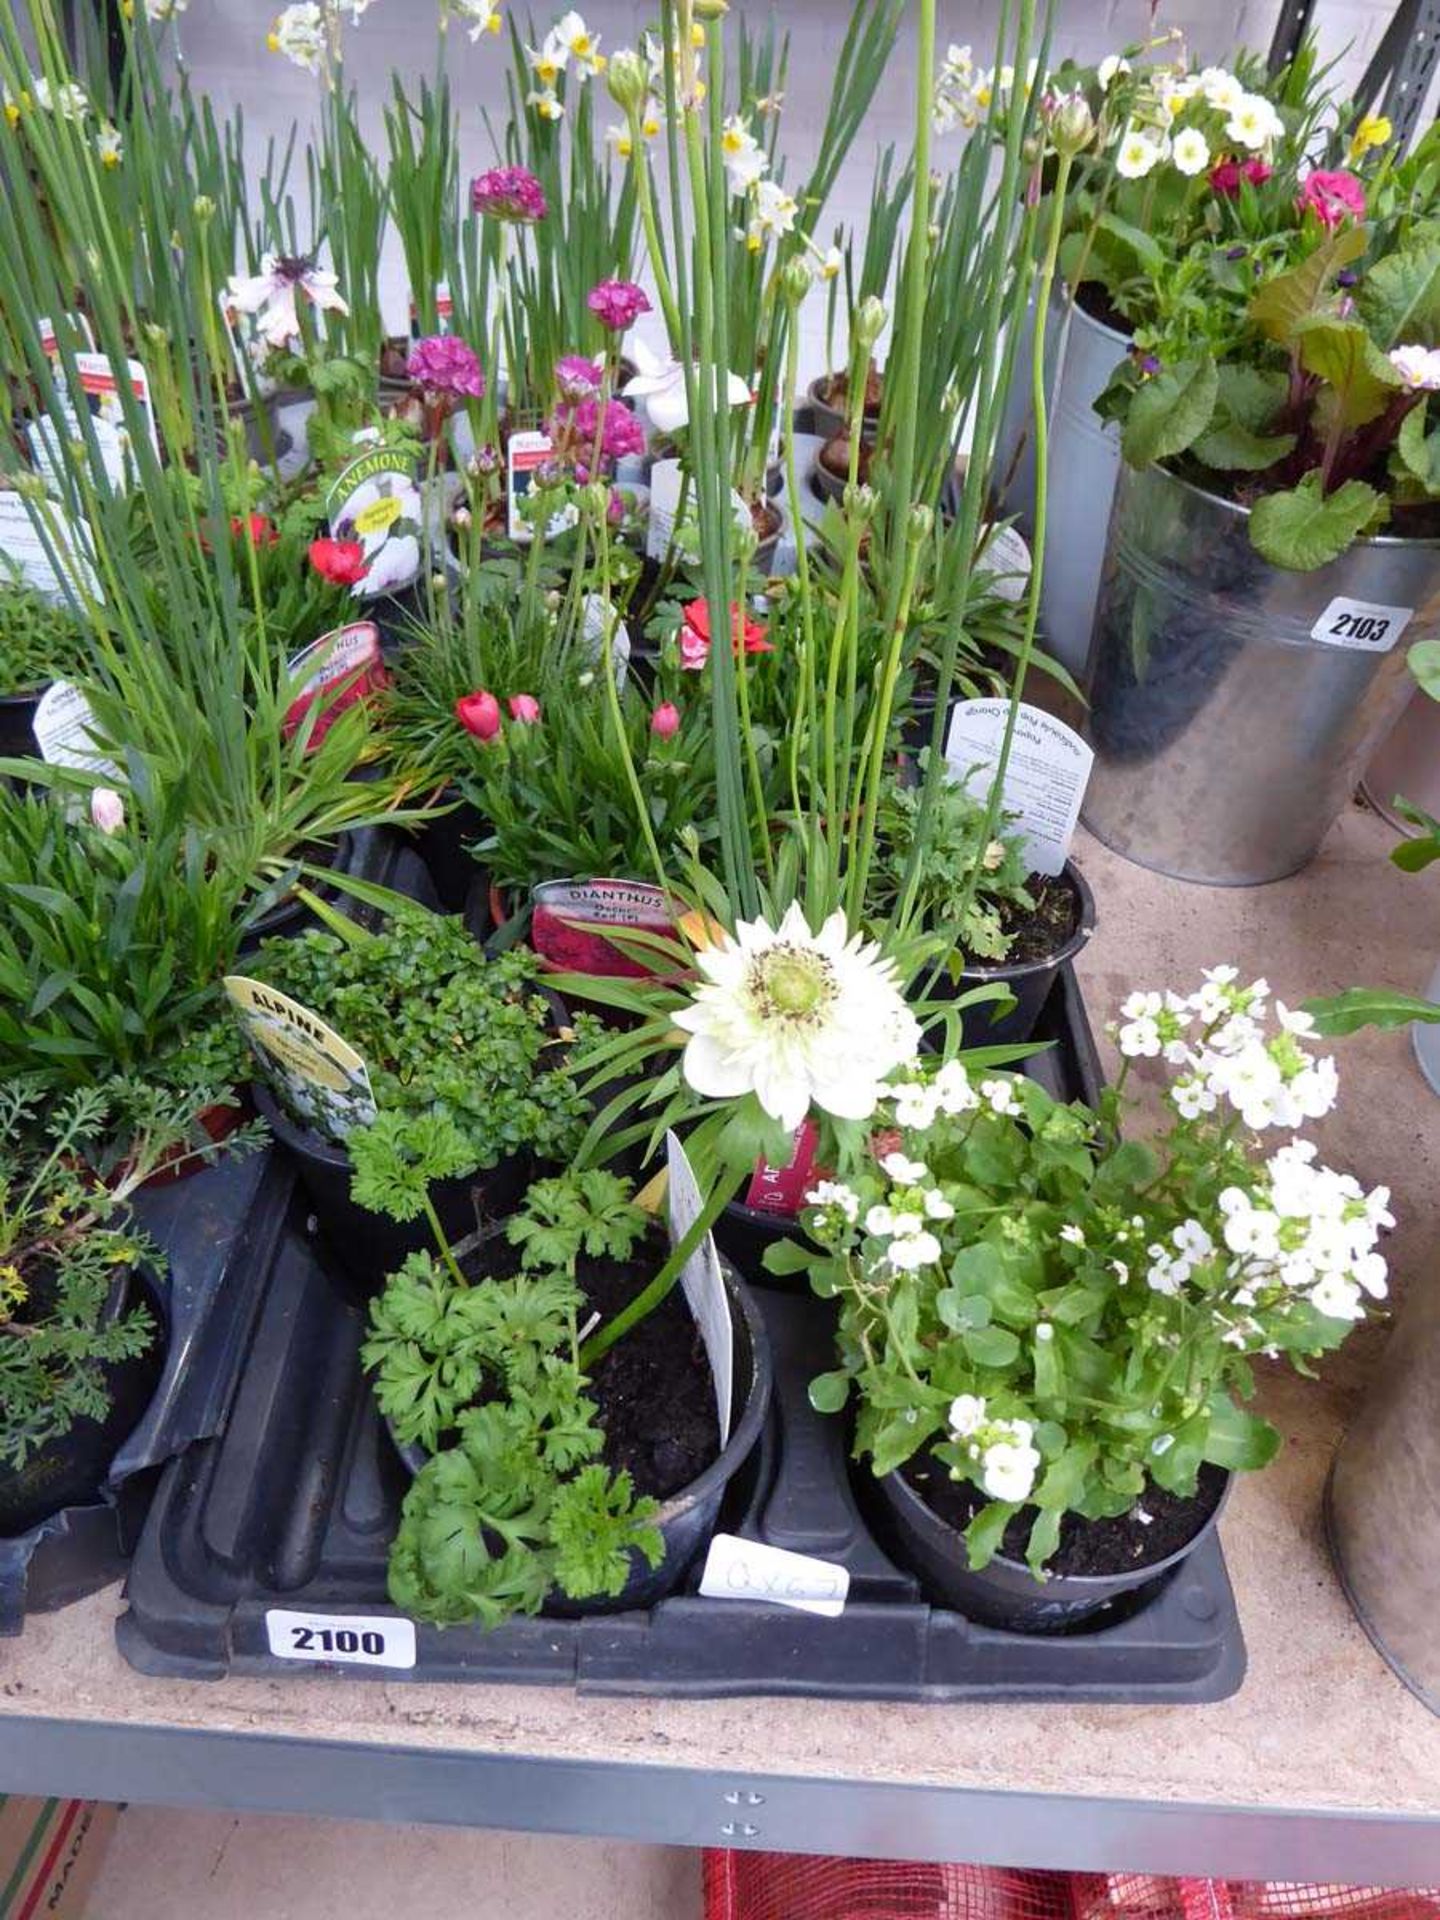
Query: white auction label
x,y
1361,624
737,1569
345,1639
64,727
702,1280
1045,776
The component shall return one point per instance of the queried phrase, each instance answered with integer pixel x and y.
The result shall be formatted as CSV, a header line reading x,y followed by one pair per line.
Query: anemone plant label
x,y
1361,624
782,1190
376,500
338,670
673,519
341,1639
1045,777
39,561
525,454
314,1070
702,1280
569,919
739,1569
64,727
599,621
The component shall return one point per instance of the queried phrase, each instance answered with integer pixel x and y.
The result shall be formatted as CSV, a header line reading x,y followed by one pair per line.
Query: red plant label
x,y
566,927
783,1189
344,666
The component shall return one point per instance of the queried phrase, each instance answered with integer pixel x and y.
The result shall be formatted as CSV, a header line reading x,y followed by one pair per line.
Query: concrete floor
x,y
164,1864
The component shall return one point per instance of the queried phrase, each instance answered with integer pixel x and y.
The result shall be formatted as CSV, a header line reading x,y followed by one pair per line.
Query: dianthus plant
x,y
1063,1316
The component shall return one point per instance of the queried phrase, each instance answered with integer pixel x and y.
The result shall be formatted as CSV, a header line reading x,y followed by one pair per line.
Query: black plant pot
x,y
70,1471
369,1246
17,725
1031,981
1006,1594
443,844
744,1234
687,1519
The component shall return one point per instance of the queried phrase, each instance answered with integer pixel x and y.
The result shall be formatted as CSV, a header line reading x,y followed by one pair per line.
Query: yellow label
x,y
379,515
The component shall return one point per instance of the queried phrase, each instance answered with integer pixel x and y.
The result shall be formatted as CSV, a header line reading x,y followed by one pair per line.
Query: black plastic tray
x,y
295,1505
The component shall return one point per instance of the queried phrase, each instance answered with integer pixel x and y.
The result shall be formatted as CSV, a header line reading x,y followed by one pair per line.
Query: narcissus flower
x,y
524,707
508,193
796,1017
342,562
617,304
299,33
1332,196
274,291
479,714
109,147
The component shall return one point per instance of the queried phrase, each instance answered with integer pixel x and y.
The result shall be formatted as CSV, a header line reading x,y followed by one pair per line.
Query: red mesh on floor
x,y
791,1886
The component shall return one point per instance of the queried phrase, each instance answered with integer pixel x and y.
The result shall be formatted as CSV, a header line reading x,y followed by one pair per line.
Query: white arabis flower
x,y
1193,1097
880,1221
1191,152
796,1017
1193,1241
1254,122
1075,1235
661,385
1000,1095
299,33
273,291
967,1415
1139,154
937,1207
834,1193
914,1250
1110,70
742,153
952,1084
915,1104
1337,1298
1418,367
905,1173
1008,1466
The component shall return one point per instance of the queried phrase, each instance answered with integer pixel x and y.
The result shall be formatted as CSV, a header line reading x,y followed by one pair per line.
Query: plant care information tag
x,y
668,526
737,1569
568,918
376,500
1045,777
64,728
524,454
598,619
100,394
25,553
1361,624
700,1277
343,1639
1007,558
348,660
314,1069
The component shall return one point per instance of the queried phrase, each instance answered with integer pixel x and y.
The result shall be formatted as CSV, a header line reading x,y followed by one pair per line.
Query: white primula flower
x,y
1138,155
904,1172
1111,68
273,292
834,1193
797,1017
1221,89
967,1415
299,33
1008,1467
744,157
914,1250
1191,152
1254,122
661,385
999,1095
1418,367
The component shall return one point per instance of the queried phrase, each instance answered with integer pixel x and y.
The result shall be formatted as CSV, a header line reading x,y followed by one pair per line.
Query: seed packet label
x,y
376,501
341,1639
314,1069
101,387
737,1569
567,916
64,727
349,661
666,489
782,1190
700,1277
1361,624
598,620
1045,778
1007,558
25,555
524,453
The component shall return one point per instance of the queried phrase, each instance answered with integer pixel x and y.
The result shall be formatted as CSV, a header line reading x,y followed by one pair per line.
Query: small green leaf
x,y
1239,1440
963,1312
1342,354
990,1346
1424,661
829,1392
986,1531
1384,1007
1302,530
1282,303
1418,455
788,1256
1169,412
1400,295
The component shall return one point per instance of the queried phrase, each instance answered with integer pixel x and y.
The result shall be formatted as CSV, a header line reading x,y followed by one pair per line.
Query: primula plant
x,y
482,1370
1065,1317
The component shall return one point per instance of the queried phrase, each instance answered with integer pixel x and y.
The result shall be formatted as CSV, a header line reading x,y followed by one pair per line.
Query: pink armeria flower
x,y
1332,196
576,377
508,193
524,707
617,304
442,364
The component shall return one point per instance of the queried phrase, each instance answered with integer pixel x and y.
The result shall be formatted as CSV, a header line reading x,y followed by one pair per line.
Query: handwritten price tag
x,y
737,1569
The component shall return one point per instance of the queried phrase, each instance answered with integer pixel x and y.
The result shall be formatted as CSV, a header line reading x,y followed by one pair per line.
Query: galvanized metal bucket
x,y
1382,1501
1233,704
1084,467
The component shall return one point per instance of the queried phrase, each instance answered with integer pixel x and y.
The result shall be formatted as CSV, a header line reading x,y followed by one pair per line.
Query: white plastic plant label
x,y
737,1569
1045,777
700,1277
343,1639
100,394
24,553
598,617
79,328
314,1069
1007,558
523,454
667,525
376,500
1361,624
64,727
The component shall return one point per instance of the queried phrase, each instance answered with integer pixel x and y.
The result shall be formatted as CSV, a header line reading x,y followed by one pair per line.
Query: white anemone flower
x,y
796,1017
272,294
1112,68
661,385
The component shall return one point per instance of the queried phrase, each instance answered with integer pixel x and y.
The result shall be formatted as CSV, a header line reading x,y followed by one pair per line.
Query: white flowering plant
x,y
1064,1316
